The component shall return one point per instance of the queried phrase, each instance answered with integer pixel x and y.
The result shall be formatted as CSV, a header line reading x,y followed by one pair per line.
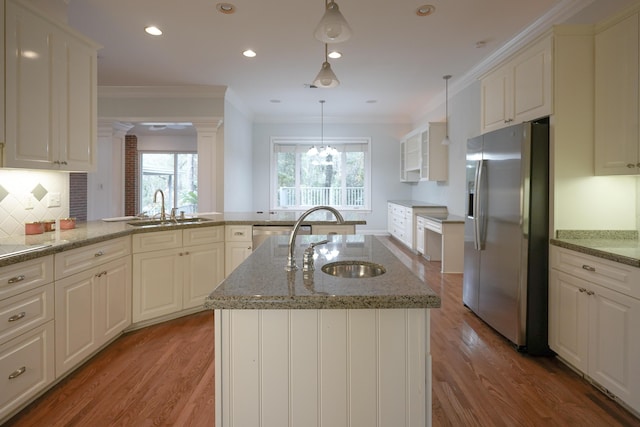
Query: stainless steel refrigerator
x,y
506,232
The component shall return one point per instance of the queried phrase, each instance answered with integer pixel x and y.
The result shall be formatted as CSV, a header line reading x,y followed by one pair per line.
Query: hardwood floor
x,y
163,376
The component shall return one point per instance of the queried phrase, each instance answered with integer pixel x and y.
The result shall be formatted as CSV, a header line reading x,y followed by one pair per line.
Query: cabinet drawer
x,y
432,225
22,312
238,233
26,367
202,235
79,259
610,274
26,275
156,241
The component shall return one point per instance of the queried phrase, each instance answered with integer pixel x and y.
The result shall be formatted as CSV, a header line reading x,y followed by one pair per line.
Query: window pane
x,y
176,174
286,185
187,183
355,179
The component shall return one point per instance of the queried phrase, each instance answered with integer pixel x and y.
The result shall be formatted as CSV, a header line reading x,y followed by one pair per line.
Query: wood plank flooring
x,y
163,376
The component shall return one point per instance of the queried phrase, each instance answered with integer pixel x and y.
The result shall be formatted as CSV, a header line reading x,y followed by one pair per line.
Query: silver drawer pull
x,y
17,317
582,290
239,233
102,273
588,268
17,373
97,254
590,293
16,279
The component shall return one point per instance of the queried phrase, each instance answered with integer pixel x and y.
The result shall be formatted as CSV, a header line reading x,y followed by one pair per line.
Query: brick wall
x,y
131,175
78,196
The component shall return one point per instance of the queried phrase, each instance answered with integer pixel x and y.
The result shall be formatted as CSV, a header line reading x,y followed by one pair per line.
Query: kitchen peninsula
x,y
309,348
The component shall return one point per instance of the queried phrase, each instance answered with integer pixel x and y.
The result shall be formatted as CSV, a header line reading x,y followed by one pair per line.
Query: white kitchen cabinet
x,y
617,138
520,90
92,307
26,332
237,246
404,219
423,157
420,235
175,270
592,325
51,89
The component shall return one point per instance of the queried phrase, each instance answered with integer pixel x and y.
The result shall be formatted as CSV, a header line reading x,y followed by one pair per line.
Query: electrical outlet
x,y
28,201
54,200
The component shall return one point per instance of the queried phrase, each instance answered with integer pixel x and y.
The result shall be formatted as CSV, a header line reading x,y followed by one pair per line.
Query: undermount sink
x,y
177,221
353,269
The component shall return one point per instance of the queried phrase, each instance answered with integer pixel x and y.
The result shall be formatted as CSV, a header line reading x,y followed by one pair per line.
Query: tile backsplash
x,y
27,196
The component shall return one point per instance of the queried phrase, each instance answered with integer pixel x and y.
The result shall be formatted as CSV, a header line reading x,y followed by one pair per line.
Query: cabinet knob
x,y
631,165
590,293
56,162
582,290
588,268
17,372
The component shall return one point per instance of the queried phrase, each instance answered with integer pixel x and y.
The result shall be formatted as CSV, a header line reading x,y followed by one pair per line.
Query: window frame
x,y
175,153
309,141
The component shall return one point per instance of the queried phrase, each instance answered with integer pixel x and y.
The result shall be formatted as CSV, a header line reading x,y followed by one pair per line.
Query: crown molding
x,y
189,91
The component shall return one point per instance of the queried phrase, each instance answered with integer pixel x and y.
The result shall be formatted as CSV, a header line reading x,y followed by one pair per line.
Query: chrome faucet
x,y
163,215
291,260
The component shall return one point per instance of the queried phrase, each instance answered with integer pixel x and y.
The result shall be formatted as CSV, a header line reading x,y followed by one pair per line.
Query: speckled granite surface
x,y
98,231
261,281
620,246
443,218
416,204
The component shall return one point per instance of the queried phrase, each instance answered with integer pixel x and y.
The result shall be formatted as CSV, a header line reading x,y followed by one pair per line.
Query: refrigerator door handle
x,y
476,205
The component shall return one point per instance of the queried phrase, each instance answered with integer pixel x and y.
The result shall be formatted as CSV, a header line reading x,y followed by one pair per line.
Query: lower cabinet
x,y
593,327
27,367
238,246
173,271
92,307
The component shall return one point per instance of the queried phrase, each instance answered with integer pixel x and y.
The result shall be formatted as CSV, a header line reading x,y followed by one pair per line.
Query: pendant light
x,y
332,28
326,77
446,140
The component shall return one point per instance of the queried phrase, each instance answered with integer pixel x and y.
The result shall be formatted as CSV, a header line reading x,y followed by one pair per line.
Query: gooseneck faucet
x,y
163,215
291,260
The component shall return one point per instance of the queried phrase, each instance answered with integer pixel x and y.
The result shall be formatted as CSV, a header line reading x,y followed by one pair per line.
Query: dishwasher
x,y
263,232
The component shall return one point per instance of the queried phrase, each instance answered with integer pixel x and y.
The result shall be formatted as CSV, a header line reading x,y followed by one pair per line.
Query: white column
x,y
210,172
105,186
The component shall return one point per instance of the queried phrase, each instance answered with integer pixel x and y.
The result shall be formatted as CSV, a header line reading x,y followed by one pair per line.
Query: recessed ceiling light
x,y
335,54
153,30
275,101
480,44
226,8
249,53
371,101
425,10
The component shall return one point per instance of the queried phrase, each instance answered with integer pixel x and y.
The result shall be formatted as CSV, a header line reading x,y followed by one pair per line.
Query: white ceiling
x,y
394,57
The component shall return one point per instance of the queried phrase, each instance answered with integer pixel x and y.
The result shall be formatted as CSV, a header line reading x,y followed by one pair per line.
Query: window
x,y
176,174
305,174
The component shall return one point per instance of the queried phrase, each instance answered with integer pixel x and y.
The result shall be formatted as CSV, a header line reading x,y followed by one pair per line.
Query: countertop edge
x,y
324,302
599,253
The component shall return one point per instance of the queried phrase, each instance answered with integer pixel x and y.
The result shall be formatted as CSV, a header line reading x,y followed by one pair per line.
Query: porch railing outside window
x,y
352,197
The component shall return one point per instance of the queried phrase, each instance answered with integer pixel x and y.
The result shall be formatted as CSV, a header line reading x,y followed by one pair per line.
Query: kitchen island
x,y
307,348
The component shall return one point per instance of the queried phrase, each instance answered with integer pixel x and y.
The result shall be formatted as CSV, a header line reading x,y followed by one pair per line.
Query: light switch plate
x,y
54,200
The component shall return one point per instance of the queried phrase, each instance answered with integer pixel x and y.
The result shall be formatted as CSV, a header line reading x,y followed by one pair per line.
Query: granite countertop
x,y
416,204
619,246
261,281
35,246
443,218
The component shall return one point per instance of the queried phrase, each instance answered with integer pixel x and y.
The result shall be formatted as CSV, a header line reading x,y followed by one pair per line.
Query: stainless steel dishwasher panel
x,y
263,232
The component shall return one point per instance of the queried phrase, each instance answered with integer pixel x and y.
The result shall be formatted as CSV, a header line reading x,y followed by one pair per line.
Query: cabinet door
x,y
114,298
532,83
157,284
616,99
75,314
234,254
30,113
614,343
496,99
420,236
568,318
204,270
77,97
435,155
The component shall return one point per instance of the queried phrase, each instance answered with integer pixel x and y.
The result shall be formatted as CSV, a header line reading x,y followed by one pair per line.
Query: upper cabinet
x,y
422,155
50,99
617,139
519,90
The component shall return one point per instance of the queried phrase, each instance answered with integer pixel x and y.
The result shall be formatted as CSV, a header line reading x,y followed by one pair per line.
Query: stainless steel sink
x,y
177,221
353,269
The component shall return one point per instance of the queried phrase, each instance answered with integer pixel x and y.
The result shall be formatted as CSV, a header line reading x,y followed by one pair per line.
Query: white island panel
x,y
351,367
